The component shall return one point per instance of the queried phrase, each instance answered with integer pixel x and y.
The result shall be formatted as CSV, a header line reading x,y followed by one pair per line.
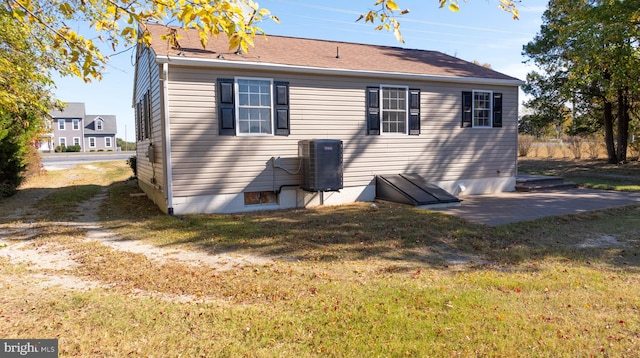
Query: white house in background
x,y
46,140
222,131
72,126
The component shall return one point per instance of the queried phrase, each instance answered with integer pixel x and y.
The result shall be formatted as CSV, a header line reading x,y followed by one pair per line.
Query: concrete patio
x,y
504,208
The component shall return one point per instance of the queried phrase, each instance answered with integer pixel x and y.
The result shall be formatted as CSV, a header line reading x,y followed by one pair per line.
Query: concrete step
x,y
525,183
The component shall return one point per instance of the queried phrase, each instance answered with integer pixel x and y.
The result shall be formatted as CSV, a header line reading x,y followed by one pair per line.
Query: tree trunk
x,y
608,132
623,125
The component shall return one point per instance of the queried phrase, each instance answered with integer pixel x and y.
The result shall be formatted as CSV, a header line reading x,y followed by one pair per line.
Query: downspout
x,y
167,137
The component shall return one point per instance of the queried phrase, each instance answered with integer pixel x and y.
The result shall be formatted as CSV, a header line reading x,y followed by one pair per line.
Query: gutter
x,y
167,137
226,64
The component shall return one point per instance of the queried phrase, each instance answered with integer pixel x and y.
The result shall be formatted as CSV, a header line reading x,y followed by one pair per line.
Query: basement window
x,y
260,198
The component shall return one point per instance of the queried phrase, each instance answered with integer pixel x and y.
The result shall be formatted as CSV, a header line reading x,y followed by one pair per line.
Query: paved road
x,y
57,161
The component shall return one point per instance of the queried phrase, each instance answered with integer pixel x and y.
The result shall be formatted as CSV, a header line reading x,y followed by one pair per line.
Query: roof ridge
x,y
324,40
291,52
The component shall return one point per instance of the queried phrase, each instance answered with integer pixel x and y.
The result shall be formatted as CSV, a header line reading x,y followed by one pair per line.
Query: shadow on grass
x,y
47,204
22,204
35,214
400,234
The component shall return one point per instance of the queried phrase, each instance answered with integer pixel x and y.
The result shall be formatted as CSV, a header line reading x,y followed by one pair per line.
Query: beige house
x,y
221,131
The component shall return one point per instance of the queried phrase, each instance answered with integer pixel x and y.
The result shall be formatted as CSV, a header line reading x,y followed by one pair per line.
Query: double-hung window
x,y
253,107
76,124
254,111
481,109
61,124
393,110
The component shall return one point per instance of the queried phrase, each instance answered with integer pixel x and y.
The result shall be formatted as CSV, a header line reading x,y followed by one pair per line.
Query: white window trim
x,y
99,121
62,139
73,122
74,140
406,110
236,94
473,109
107,142
62,121
94,142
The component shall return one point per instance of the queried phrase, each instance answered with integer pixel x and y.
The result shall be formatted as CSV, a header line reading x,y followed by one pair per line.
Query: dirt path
x,y
49,265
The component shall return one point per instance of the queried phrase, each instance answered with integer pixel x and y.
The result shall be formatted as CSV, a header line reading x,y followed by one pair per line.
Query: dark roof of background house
x,y
110,124
72,110
322,54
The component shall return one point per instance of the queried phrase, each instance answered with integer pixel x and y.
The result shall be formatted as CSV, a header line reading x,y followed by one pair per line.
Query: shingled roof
x,y
321,54
110,125
71,110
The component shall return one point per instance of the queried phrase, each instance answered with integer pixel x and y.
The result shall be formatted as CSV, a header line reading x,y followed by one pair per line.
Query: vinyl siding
x,y
148,78
321,107
100,141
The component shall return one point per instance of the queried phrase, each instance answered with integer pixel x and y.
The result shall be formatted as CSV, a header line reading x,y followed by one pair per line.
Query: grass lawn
x,y
332,281
592,173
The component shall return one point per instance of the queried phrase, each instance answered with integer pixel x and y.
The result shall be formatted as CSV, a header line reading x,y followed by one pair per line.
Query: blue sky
x,y
479,31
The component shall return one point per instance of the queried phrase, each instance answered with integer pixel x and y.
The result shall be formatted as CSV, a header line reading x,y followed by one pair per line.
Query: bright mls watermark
x,y
30,348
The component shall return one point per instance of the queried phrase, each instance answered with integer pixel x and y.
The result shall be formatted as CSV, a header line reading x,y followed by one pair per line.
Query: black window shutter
x,y
467,110
226,107
281,108
373,111
150,114
414,112
145,118
137,121
497,110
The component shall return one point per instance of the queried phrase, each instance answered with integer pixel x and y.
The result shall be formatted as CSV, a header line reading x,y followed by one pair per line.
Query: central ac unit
x,y
321,164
